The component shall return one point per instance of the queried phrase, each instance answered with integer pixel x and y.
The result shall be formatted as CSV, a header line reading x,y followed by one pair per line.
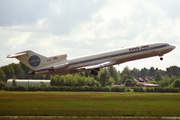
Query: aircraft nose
x,y
173,47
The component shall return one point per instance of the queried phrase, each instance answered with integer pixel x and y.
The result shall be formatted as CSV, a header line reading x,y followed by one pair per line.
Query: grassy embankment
x,y
89,104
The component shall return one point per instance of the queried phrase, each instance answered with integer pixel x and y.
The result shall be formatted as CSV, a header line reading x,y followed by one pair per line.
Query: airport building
x,y
27,82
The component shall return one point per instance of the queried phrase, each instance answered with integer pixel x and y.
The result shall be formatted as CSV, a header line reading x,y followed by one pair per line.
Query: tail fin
x,y
36,61
30,59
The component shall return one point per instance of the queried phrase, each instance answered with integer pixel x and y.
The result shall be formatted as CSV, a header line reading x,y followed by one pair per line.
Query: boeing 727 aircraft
x,y
60,65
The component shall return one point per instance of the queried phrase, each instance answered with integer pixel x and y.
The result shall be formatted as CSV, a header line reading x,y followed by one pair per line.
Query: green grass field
x,y
89,104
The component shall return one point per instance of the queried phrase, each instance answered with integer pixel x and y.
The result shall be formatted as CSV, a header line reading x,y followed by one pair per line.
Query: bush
x,y
138,89
47,88
2,84
86,88
73,80
127,89
176,83
93,88
11,89
14,83
106,89
150,90
21,88
6,88
163,89
54,88
15,88
117,89
31,88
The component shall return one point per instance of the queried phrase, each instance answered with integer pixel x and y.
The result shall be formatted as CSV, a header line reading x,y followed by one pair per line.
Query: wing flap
x,y
101,65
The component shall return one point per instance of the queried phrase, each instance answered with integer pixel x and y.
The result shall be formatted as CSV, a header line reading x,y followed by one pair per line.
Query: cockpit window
x,y
167,44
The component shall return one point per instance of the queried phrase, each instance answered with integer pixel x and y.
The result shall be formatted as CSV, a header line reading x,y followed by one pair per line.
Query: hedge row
x,y
93,89
65,88
156,89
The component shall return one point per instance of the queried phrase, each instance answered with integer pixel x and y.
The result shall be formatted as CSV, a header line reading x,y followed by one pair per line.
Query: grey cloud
x,y
72,13
171,7
19,12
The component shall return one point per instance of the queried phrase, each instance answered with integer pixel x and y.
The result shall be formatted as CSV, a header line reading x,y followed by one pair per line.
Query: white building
x,y
27,82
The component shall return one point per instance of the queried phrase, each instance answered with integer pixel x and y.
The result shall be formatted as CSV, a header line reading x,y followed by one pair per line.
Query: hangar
x,y
27,82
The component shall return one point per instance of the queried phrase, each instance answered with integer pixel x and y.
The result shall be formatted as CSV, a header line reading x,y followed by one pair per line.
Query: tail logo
x,y
34,61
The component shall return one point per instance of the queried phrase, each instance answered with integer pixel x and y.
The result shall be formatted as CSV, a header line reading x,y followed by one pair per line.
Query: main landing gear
x,y
94,72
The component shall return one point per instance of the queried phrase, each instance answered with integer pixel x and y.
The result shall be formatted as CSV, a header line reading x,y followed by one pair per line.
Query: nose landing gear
x,y
161,58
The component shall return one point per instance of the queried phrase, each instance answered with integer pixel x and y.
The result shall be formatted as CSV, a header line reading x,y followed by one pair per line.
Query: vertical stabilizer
x,y
30,59
36,61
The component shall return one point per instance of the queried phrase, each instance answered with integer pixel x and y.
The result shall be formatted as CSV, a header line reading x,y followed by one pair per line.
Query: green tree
x,y
144,72
25,69
126,74
173,70
166,81
151,81
114,73
47,77
61,80
152,71
172,79
136,72
119,78
103,76
9,72
2,75
53,81
81,81
43,85
14,83
2,84
17,70
82,74
38,77
128,82
92,82
158,75
176,83
70,79
111,80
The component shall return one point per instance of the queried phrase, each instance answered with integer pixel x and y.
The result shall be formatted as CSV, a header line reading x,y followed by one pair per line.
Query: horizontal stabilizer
x,y
17,54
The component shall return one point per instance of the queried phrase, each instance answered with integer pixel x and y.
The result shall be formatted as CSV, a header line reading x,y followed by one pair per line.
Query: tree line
x,y
20,71
168,78
106,76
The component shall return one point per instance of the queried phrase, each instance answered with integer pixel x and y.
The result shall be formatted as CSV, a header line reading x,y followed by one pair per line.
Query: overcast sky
x,y
81,27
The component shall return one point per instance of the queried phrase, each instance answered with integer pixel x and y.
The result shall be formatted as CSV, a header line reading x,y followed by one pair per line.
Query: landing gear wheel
x,y
161,58
94,72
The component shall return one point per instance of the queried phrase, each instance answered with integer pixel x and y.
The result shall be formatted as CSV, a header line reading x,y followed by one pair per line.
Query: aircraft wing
x,y
101,65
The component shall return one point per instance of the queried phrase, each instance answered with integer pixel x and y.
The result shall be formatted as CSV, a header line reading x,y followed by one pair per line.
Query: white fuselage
x,y
119,56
